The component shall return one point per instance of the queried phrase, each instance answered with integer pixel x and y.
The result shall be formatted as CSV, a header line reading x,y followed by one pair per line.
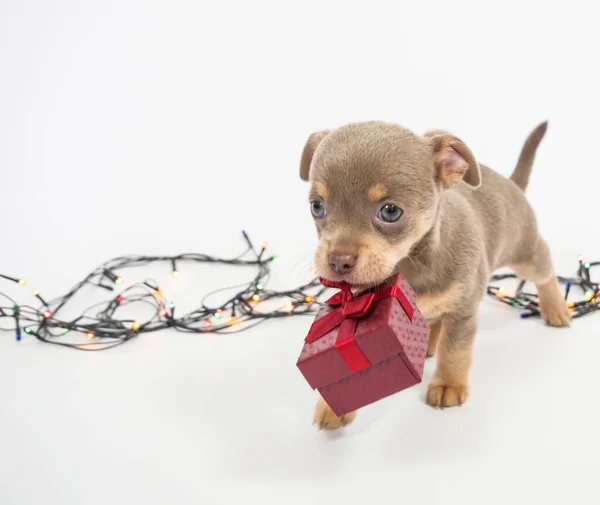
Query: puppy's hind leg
x,y
538,269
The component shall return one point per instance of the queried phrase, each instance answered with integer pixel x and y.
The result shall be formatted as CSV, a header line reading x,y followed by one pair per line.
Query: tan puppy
x,y
385,200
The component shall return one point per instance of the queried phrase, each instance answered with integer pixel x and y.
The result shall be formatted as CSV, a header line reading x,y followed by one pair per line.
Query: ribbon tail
x,y
348,349
321,327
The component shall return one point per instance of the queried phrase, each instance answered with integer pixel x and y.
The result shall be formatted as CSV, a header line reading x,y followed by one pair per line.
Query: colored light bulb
x,y
217,315
136,325
502,292
47,314
35,292
256,297
207,324
309,299
27,330
163,312
22,282
118,280
120,299
587,265
589,295
259,286
580,258
90,334
172,305
288,307
265,245
233,320
175,274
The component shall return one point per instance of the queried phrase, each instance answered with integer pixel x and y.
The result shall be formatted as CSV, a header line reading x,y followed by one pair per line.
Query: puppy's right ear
x,y
308,152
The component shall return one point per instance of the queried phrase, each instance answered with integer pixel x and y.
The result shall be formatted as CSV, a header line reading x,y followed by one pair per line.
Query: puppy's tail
x,y
520,176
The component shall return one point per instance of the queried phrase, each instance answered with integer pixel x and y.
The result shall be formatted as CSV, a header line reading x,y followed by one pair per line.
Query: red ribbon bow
x,y
349,309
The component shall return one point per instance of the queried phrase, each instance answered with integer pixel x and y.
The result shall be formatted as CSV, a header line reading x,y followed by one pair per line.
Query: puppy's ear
x,y
453,160
308,152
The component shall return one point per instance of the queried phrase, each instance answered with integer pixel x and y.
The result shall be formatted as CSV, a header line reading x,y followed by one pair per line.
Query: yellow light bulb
x,y
136,325
502,292
309,299
175,273
233,320
35,292
256,298
288,307
22,282
571,305
90,334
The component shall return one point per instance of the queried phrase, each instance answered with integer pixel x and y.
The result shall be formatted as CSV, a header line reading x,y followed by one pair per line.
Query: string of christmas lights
x,y
528,302
100,328
104,329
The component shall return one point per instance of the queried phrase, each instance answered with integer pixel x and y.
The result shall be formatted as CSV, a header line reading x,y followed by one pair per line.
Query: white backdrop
x,y
167,127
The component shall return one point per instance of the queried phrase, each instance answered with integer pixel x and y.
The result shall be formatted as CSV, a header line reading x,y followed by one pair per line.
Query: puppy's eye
x,y
389,213
318,209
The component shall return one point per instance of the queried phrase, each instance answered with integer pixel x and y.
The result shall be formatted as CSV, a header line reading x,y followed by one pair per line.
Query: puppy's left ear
x,y
308,152
453,160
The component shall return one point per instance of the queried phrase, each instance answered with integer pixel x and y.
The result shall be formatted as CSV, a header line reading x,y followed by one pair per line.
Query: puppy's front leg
x,y
450,384
326,419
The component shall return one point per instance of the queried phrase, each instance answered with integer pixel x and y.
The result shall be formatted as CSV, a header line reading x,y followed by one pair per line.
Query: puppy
x,y
385,200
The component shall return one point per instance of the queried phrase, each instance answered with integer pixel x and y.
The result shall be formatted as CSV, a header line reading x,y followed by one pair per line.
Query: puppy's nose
x,y
341,263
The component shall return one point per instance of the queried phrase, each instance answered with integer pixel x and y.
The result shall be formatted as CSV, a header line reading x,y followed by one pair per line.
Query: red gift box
x,y
362,348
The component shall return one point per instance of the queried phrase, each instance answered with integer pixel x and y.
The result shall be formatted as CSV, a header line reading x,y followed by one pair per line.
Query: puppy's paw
x,y
556,314
325,418
553,308
442,396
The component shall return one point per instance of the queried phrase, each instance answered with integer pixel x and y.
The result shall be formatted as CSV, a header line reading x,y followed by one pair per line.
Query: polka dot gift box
x,y
364,347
